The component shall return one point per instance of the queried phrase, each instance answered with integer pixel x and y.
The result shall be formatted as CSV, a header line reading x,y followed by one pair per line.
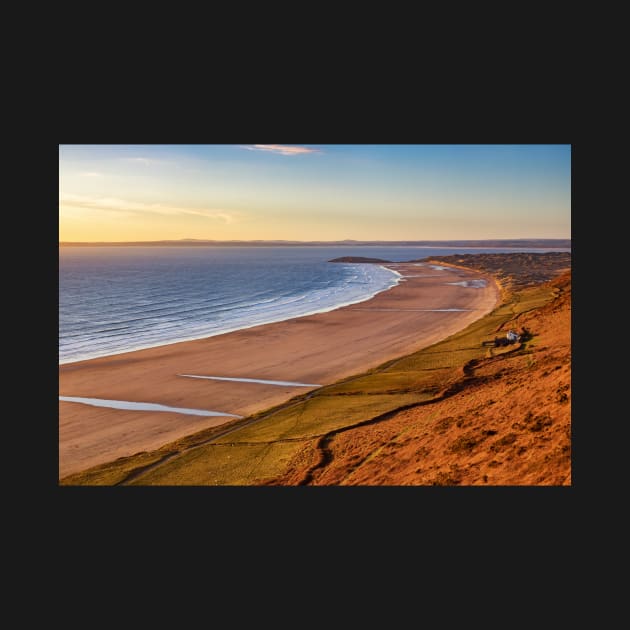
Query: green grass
x,y
112,473
262,449
117,471
320,415
227,465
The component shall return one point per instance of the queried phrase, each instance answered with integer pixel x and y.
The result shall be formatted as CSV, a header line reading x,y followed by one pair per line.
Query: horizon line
x,y
347,240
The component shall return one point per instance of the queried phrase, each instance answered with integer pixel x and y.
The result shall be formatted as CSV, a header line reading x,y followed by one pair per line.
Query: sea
x,y
118,299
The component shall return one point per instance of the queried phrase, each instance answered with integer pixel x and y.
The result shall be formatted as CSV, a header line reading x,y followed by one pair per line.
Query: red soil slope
x,y
507,422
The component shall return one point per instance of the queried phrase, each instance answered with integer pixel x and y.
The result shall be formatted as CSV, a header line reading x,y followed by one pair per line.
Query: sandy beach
x,y
315,349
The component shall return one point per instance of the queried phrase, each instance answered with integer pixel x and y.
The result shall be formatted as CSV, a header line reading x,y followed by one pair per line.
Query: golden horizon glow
x,y
118,193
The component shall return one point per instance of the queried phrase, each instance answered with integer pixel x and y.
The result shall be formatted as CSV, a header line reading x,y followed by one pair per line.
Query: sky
x,y
308,192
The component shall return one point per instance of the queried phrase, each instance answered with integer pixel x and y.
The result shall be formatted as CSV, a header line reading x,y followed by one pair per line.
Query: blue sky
x,y
313,192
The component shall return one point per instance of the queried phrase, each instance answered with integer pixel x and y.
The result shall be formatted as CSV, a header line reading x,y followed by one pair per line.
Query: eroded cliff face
x,y
508,422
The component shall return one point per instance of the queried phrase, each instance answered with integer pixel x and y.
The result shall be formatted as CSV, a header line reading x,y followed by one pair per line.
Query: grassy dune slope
x,y
437,416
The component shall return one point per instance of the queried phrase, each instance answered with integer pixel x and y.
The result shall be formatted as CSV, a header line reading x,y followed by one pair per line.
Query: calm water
x,y
116,299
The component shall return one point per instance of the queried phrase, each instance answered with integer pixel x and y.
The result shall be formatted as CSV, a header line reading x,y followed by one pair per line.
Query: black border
x,y
264,513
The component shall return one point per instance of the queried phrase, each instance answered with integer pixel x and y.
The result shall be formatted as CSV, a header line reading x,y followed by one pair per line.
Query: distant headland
x,y
191,242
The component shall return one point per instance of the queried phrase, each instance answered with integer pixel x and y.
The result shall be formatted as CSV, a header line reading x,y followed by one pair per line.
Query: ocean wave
x,y
123,323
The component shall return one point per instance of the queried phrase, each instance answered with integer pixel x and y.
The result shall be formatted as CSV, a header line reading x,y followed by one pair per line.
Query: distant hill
x,y
188,242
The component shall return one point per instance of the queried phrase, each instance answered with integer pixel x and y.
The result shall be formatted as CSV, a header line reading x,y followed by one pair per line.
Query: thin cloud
x,y
143,160
124,206
281,149
91,174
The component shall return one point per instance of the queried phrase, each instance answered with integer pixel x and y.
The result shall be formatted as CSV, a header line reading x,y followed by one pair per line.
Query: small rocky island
x,y
358,259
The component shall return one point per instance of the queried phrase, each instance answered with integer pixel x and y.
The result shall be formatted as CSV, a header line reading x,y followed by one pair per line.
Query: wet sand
x,y
320,348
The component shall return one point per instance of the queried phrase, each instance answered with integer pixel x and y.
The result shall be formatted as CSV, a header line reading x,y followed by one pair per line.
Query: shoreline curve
x,y
326,309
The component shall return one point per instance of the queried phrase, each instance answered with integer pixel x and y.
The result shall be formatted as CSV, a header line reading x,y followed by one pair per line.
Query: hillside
x,y
506,422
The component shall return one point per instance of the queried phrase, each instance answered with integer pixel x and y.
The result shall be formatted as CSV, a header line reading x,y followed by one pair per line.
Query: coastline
x,y
319,348
282,318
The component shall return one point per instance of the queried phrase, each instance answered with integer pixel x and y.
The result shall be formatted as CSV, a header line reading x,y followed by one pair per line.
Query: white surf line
x,y
252,380
390,269
136,406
